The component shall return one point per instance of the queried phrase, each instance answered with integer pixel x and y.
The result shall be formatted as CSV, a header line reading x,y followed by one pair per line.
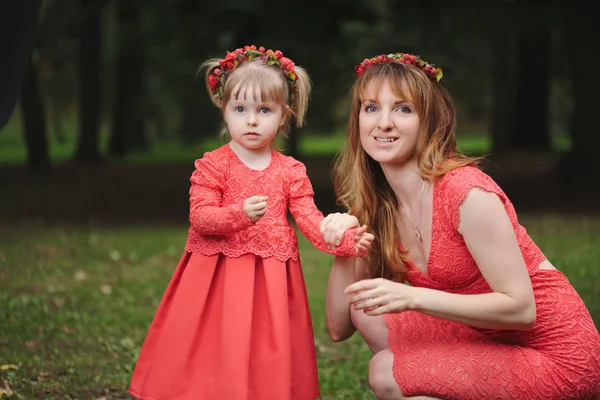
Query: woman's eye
x,y
404,109
370,108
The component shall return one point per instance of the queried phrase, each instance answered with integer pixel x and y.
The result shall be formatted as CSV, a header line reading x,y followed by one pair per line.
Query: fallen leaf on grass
x,y
80,276
6,367
43,375
114,255
6,391
106,289
30,344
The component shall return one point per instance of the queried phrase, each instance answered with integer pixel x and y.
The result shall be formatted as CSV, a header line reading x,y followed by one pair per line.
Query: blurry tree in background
x,y
518,69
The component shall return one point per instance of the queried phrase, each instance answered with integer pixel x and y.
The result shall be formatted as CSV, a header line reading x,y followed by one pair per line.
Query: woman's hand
x,y
380,296
334,225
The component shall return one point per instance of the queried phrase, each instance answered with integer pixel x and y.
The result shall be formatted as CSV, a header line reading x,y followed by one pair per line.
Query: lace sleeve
x,y
307,215
207,214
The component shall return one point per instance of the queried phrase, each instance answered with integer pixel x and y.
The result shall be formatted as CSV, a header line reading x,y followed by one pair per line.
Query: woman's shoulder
x,y
456,183
467,176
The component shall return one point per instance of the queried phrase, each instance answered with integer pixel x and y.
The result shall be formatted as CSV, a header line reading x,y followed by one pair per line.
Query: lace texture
x,y
559,358
220,185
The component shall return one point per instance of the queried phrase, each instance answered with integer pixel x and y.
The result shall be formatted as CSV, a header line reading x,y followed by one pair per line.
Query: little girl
x,y
234,322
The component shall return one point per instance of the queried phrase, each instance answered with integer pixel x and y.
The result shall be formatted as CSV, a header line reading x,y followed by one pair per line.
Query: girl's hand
x,y
363,241
255,207
333,227
380,296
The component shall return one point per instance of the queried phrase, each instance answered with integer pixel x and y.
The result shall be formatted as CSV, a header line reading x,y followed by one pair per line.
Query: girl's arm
x,y
207,215
308,217
491,239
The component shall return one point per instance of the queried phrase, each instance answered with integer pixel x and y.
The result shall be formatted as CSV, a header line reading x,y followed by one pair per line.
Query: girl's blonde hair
x,y
360,184
268,82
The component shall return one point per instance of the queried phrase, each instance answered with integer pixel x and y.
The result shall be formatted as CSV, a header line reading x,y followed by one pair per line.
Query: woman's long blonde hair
x,y
360,184
269,82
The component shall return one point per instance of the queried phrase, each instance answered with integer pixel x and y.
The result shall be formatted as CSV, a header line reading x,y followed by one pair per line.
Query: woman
x,y
484,314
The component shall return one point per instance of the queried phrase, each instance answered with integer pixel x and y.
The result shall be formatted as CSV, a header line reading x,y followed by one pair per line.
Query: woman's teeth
x,y
385,140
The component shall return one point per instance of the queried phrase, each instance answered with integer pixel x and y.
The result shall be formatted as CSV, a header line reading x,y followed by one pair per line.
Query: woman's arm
x,y
491,239
337,309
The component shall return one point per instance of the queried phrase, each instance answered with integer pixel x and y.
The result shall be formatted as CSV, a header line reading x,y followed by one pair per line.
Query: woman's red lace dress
x,y
234,322
559,358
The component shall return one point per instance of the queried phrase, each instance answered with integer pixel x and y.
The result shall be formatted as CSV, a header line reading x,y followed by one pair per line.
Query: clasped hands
x,y
335,225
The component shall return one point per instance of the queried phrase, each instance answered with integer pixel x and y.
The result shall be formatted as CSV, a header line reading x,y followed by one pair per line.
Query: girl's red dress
x,y
234,322
559,358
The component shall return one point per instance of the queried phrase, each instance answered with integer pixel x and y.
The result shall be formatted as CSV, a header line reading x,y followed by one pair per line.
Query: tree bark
x,y
90,91
128,126
531,130
34,120
583,36
503,44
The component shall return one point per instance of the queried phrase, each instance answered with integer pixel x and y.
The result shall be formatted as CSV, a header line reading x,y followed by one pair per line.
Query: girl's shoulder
x,y
217,158
289,162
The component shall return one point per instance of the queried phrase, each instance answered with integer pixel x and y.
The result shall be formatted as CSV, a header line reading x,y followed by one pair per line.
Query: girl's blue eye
x,y
239,109
265,110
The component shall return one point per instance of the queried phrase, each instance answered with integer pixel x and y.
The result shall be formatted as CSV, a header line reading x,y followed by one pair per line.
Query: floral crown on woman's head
x,y
434,73
239,56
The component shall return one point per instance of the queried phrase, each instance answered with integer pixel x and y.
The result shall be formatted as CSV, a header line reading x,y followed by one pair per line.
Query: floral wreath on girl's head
x,y
434,73
234,59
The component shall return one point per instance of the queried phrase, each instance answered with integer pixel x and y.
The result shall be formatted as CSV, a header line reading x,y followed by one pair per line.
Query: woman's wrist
x,y
415,302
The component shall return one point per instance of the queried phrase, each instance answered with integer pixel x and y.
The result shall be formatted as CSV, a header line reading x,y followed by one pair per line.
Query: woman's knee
x,y
373,329
381,377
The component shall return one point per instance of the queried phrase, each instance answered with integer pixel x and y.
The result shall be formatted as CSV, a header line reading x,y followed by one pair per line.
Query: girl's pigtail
x,y
301,95
210,66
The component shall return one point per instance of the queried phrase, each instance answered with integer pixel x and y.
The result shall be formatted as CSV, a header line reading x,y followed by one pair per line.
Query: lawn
x,y
75,303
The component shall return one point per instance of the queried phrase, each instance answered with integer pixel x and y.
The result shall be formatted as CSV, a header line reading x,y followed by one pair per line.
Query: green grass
x,y
76,303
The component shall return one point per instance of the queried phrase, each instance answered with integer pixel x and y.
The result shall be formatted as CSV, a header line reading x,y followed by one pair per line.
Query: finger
x,y
330,233
364,284
258,199
373,311
322,226
259,206
364,296
361,231
367,303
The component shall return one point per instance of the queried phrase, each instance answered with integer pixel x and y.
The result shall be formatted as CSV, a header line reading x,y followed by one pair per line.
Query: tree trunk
x,y
503,43
531,131
20,19
34,120
90,91
128,127
583,36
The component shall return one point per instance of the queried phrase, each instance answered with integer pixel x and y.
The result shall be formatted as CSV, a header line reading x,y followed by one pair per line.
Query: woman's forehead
x,y
372,89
